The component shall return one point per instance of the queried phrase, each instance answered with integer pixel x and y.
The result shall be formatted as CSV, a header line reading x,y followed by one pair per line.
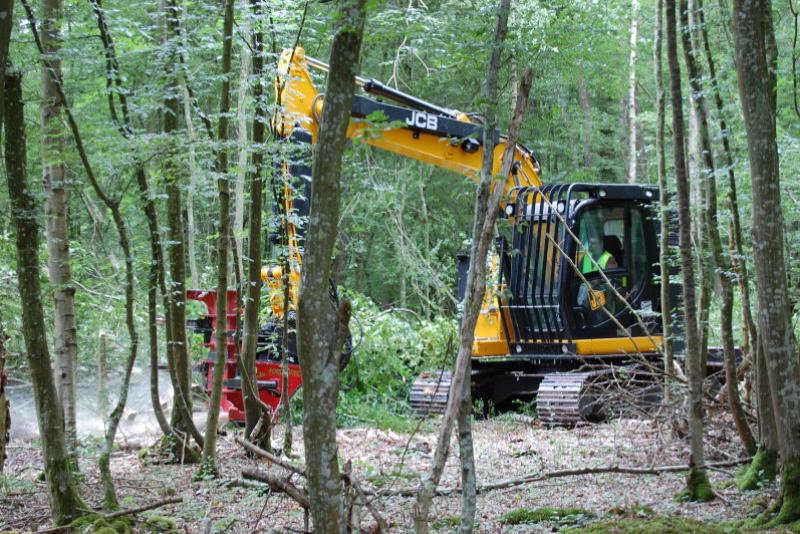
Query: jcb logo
x,y
420,119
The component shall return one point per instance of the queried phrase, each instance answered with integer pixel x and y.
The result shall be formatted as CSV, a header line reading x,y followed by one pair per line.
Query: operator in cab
x,y
593,257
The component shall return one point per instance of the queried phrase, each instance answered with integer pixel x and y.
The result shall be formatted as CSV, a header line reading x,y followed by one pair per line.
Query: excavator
x,y
574,294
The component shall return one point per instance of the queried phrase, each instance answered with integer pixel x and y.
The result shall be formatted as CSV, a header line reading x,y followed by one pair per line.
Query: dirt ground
x,y
508,446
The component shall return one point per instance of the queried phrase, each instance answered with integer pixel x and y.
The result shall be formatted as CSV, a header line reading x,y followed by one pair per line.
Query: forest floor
x,y
507,446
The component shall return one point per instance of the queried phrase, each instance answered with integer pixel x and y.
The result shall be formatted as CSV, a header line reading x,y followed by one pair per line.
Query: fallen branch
x,y
278,484
538,477
114,515
258,451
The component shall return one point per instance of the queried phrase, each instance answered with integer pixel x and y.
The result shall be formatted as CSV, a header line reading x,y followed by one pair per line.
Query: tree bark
x,y
6,25
755,63
698,487
632,126
252,403
65,338
181,413
5,410
486,211
665,212
739,261
690,37
320,330
191,250
65,501
209,458
241,172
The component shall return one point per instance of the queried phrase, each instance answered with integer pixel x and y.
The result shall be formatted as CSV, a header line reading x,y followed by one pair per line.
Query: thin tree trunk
x,y
690,37
209,458
102,373
65,501
486,210
181,413
588,124
241,171
665,213
191,251
698,487
632,126
321,332
6,25
738,259
155,279
65,337
756,57
5,410
253,407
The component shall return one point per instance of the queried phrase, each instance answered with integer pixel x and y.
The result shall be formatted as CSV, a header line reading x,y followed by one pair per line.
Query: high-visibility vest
x,y
587,266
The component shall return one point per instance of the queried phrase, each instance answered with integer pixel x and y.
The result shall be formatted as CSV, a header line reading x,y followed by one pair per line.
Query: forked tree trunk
x,y
756,68
690,38
65,338
321,331
698,487
65,501
209,459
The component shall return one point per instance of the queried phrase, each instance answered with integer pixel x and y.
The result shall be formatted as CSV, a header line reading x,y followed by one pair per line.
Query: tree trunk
x,y
763,468
665,213
65,337
181,412
209,460
690,36
632,126
698,487
241,172
588,123
320,330
252,404
739,261
6,25
486,211
155,279
191,251
65,501
755,64
5,410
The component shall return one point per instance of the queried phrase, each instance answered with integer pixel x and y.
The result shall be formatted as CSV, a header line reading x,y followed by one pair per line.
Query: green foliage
x,y
563,516
391,348
449,522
